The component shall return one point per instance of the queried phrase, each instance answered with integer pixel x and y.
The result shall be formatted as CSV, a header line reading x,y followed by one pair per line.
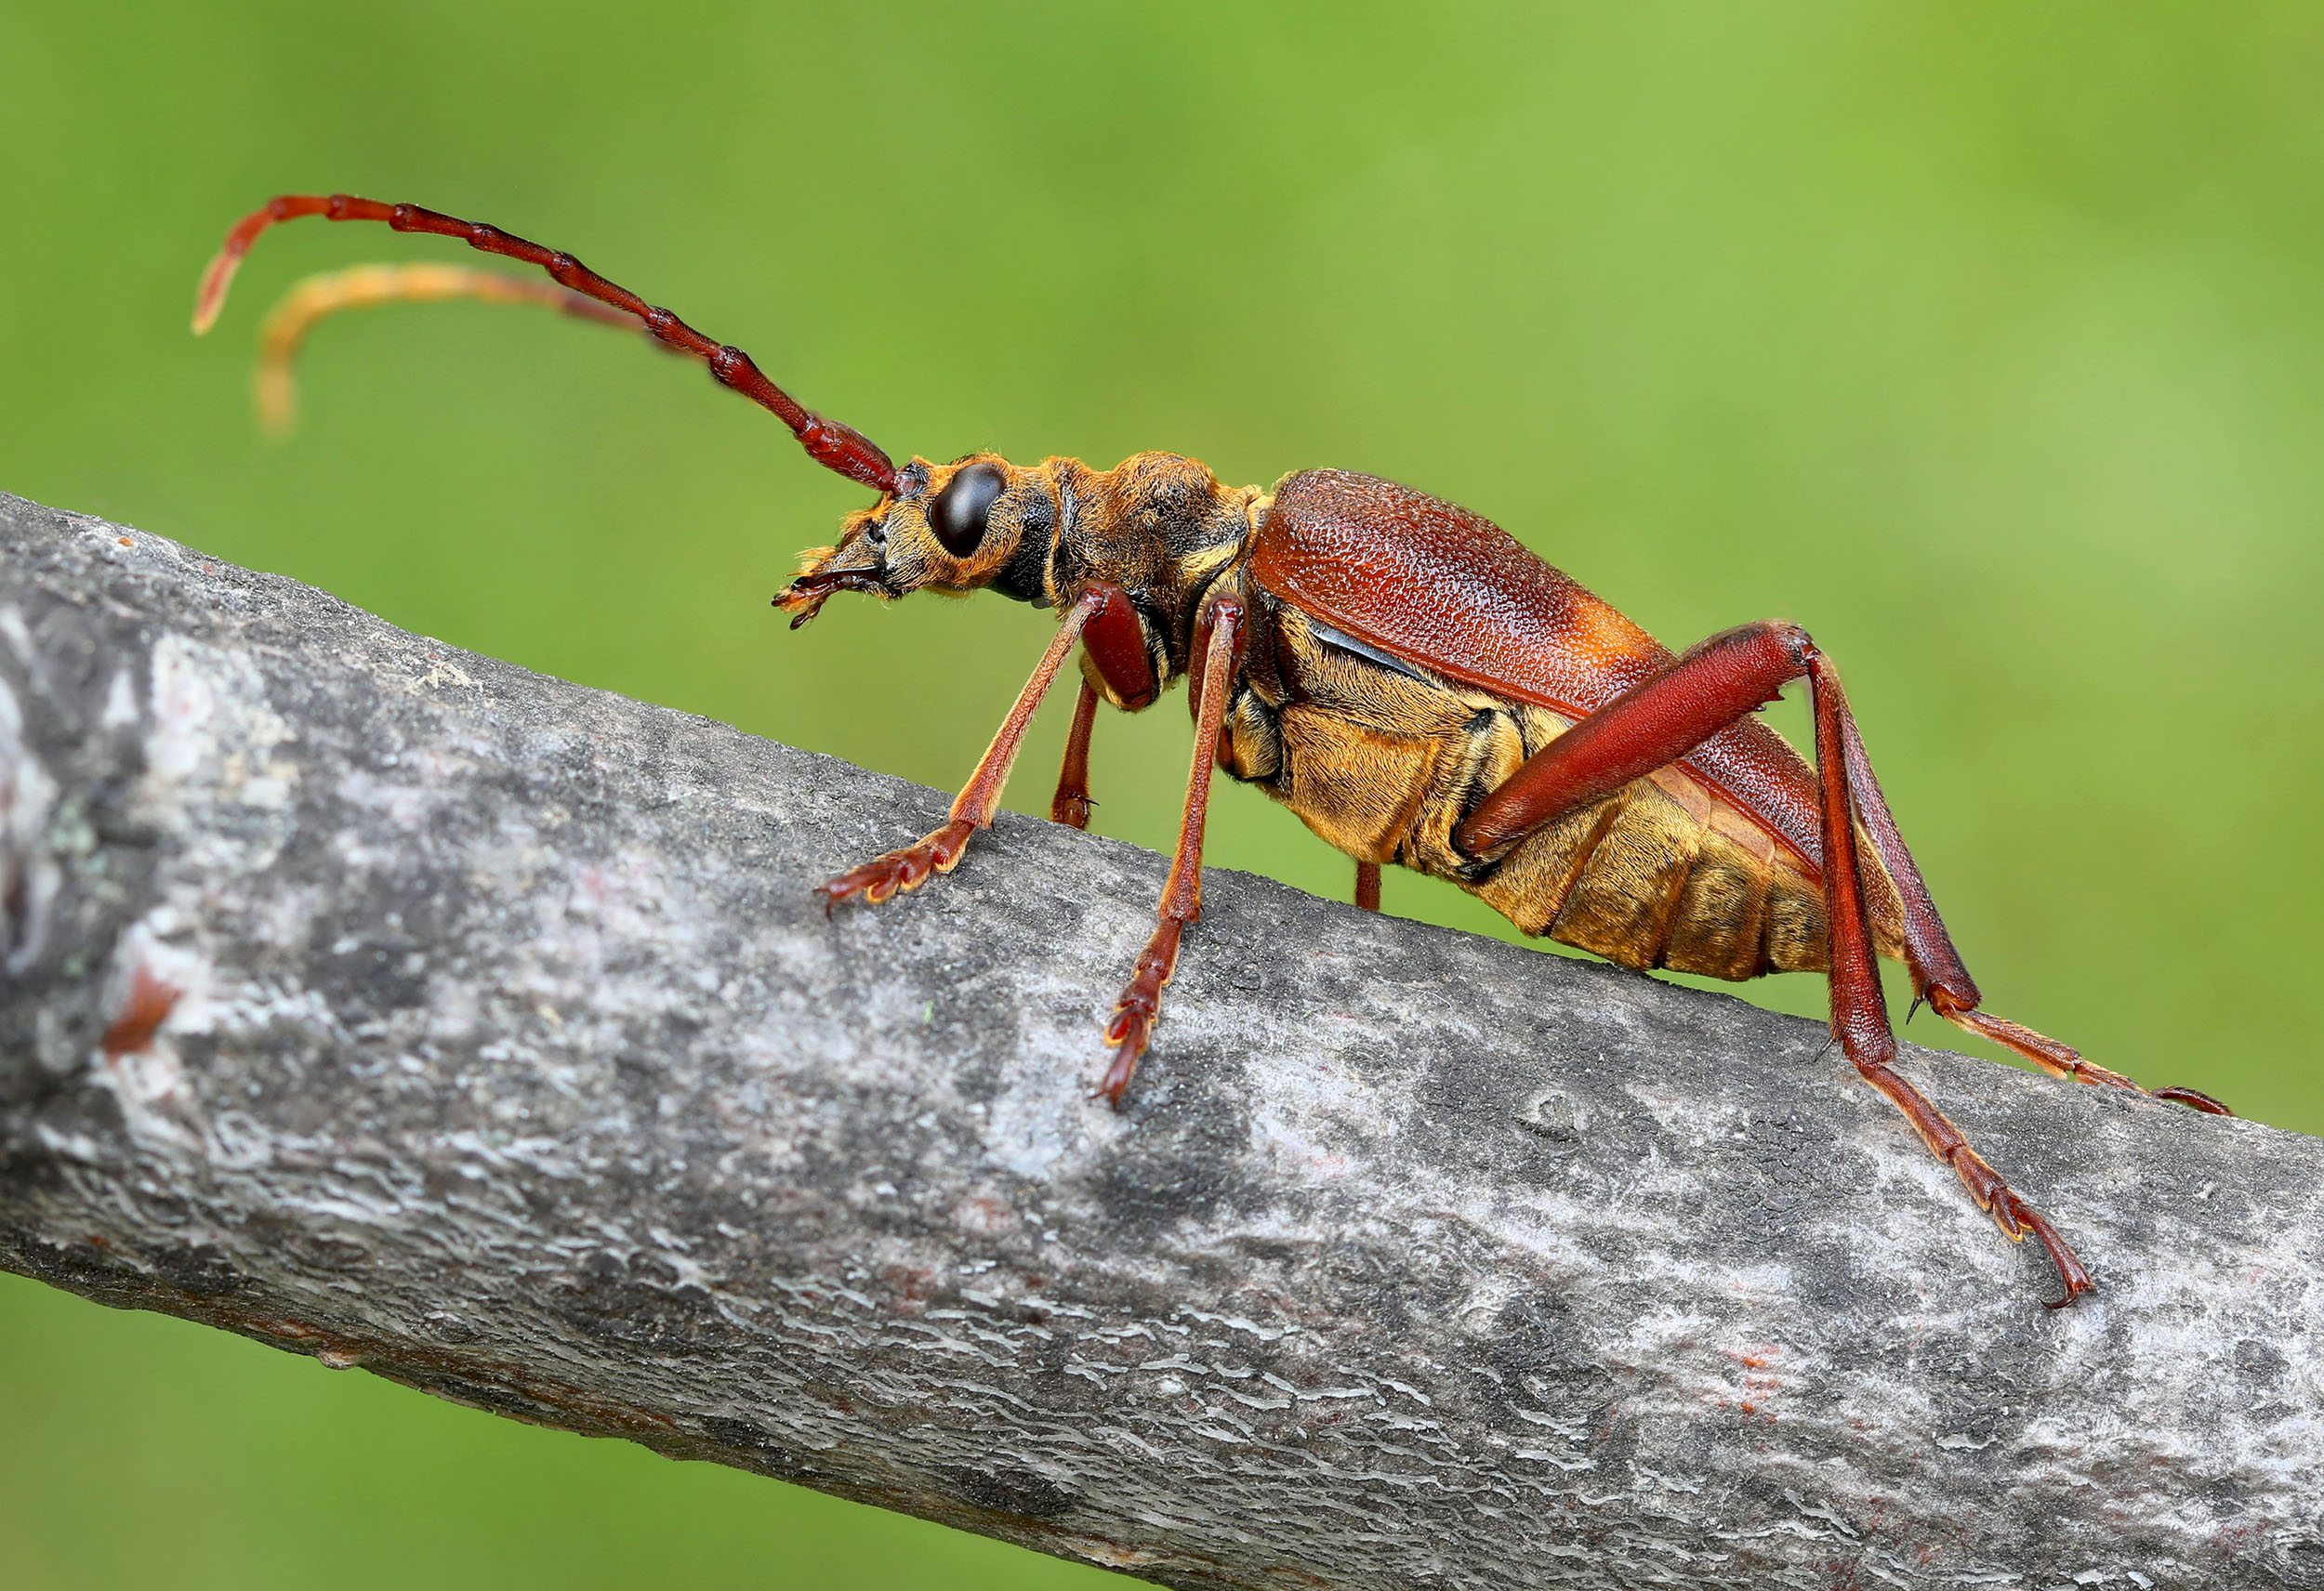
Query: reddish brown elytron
x,y
1415,684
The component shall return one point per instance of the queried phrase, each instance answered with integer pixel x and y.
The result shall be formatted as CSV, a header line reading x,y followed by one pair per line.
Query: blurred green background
x,y
1986,340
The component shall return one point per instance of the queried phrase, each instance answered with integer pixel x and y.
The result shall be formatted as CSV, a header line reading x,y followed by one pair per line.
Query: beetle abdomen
x,y
1382,762
1661,873
1430,583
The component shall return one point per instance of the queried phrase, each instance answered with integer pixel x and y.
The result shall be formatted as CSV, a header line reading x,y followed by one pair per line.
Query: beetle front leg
x,y
979,799
1140,1003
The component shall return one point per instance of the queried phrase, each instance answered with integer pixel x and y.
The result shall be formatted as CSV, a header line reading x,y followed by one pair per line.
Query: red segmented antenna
x,y
840,447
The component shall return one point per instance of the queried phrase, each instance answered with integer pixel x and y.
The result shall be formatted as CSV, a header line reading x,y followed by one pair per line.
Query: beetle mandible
x,y
1404,675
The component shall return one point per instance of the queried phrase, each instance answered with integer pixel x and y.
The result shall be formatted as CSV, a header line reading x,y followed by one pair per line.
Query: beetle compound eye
x,y
958,514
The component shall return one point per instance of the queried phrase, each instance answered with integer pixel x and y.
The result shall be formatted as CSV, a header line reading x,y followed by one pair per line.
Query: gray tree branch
x,y
400,1007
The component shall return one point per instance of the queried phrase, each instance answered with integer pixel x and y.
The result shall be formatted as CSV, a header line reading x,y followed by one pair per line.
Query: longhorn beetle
x,y
1401,673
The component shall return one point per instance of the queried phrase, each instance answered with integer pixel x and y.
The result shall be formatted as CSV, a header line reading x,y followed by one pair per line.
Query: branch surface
x,y
400,1007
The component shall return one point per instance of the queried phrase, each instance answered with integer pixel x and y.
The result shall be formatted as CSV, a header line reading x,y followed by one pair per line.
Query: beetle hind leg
x,y
1664,718
2058,1059
1859,1011
1941,978
1986,1188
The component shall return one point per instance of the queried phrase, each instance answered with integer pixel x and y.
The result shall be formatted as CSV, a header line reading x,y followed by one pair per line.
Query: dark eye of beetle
x,y
958,515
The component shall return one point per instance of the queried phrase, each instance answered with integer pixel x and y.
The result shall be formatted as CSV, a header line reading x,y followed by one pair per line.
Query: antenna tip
x,y
210,297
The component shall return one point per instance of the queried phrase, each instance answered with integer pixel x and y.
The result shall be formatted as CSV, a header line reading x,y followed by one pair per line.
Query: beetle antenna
x,y
840,447
275,383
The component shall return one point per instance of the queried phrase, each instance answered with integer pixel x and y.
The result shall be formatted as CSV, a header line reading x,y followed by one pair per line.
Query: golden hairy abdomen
x,y
1665,872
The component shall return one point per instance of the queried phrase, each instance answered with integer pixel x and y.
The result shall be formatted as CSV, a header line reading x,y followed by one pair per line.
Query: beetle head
x,y
951,528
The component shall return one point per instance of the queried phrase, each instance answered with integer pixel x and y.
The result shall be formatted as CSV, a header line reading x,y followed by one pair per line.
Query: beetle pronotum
x,y
1404,675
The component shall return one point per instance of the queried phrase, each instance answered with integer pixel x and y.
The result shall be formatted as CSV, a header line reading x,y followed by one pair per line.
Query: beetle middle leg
x,y
1071,805
1141,1000
1115,644
1663,719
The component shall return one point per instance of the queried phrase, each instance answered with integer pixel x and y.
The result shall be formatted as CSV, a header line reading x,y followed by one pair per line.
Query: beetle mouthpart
x,y
802,606
804,596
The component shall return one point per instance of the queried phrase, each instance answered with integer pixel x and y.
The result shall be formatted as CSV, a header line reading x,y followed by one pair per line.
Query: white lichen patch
x,y
121,702
29,875
212,742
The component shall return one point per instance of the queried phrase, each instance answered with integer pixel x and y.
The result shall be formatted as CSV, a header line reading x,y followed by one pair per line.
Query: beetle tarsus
x,y
900,871
2058,1059
1140,1003
2194,1100
1114,1088
2070,1269
2015,1216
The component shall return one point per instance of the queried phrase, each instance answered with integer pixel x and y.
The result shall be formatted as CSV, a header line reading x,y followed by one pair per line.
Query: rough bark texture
x,y
508,1058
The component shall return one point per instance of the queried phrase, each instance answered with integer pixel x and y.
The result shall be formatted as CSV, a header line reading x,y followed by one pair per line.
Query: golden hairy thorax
x,y
1382,759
